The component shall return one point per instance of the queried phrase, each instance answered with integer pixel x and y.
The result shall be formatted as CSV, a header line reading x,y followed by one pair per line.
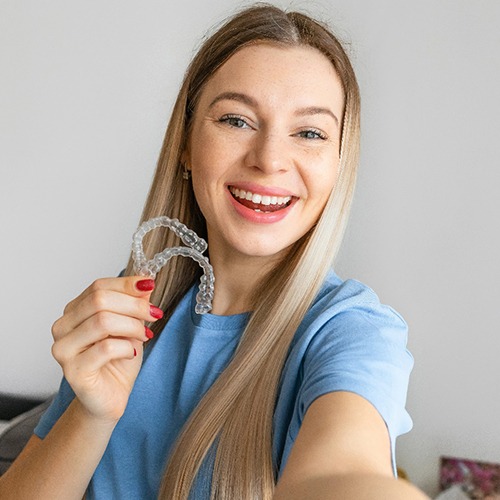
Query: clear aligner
x,y
196,246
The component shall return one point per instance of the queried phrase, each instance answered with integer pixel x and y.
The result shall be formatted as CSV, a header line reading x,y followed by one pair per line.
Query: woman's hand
x,y
99,342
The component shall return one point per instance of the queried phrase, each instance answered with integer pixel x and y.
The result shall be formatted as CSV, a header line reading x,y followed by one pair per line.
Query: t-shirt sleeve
x,y
58,406
362,350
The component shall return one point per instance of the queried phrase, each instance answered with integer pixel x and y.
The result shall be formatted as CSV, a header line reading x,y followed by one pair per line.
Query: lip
x,y
260,217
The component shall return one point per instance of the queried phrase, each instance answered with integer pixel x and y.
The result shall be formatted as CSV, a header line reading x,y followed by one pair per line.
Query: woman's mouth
x,y
260,202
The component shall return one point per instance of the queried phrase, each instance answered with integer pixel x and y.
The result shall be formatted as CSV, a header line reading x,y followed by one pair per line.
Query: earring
x,y
186,174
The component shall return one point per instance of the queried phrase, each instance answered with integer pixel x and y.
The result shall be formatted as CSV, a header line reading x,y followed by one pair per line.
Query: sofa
x,y
18,418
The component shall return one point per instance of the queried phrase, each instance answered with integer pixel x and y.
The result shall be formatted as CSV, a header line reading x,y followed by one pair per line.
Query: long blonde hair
x,y
235,416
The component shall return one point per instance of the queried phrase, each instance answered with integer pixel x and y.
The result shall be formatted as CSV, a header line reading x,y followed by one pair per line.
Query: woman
x,y
294,386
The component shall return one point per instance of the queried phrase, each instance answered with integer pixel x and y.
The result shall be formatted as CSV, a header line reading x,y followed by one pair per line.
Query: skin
x,y
277,130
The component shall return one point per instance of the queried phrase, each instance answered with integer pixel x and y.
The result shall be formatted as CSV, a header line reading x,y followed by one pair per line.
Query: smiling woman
x,y
295,385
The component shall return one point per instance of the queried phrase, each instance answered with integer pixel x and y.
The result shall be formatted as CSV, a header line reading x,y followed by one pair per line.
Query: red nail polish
x,y
145,285
135,353
149,333
156,312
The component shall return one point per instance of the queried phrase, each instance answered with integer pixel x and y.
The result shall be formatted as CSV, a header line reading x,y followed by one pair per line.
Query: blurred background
x,y
86,89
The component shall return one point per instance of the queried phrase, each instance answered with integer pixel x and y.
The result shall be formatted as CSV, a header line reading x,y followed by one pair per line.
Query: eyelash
x,y
319,135
231,119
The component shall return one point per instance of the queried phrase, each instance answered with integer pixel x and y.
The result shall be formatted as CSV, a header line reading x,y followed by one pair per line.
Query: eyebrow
x,y
246,99
316,110
234,96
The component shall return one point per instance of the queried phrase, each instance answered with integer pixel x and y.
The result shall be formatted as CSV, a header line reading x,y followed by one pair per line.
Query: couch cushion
x,y
14,437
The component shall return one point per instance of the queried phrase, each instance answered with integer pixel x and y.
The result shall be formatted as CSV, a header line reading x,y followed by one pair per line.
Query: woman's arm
x,y
343,452
98,343
351,487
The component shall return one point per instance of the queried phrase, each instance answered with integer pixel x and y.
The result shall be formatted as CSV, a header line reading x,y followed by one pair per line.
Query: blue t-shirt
x,y
347,341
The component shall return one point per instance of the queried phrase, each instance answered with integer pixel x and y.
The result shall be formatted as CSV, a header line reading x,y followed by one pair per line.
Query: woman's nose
x,y
269,153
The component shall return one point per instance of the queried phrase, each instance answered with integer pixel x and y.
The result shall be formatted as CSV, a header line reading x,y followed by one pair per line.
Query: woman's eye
x,y
234,121
312,134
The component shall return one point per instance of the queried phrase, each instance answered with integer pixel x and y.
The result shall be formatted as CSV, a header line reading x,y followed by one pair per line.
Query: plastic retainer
x,y
194,249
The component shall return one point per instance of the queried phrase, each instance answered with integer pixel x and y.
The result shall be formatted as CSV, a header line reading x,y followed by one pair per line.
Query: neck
x,y
236,279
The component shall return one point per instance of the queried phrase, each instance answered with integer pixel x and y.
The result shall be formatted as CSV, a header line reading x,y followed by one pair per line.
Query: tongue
x,y
259,206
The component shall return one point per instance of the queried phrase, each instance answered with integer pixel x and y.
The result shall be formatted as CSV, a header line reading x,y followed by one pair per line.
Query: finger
x,y
99,327
101,353
101,301
136,286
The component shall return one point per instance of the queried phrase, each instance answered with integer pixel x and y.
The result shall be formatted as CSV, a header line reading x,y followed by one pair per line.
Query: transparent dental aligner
x,y
195,247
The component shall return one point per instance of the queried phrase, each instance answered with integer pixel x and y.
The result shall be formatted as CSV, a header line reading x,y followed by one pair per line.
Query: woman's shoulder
x,y
350,341
351,298
347,316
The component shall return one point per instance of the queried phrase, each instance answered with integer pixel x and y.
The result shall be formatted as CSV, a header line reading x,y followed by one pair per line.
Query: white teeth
x,y
260,198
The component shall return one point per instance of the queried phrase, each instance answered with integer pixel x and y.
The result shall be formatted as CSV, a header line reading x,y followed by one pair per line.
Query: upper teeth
x,y
261,199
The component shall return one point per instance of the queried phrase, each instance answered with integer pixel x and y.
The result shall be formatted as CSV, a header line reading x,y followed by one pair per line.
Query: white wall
x,y
86,88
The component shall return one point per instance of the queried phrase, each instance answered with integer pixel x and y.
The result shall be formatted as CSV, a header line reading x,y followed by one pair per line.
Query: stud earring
x,y
186,174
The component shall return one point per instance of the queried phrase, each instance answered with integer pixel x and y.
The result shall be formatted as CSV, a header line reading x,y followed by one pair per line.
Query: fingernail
x,y
145,285
156,312
135,353
149,333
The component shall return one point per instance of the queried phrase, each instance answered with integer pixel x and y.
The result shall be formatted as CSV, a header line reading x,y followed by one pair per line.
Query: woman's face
x,y
264,148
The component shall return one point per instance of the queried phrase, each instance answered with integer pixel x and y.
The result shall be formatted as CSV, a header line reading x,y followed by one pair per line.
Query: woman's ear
x,y
185,159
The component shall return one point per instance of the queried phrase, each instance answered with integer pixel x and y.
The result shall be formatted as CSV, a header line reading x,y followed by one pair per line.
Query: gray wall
x,y
86,88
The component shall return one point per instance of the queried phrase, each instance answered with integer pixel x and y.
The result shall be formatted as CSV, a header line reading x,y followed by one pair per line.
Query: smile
x,y
260,202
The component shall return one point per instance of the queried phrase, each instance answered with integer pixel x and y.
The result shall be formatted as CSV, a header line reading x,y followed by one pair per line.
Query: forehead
x,y
276,74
